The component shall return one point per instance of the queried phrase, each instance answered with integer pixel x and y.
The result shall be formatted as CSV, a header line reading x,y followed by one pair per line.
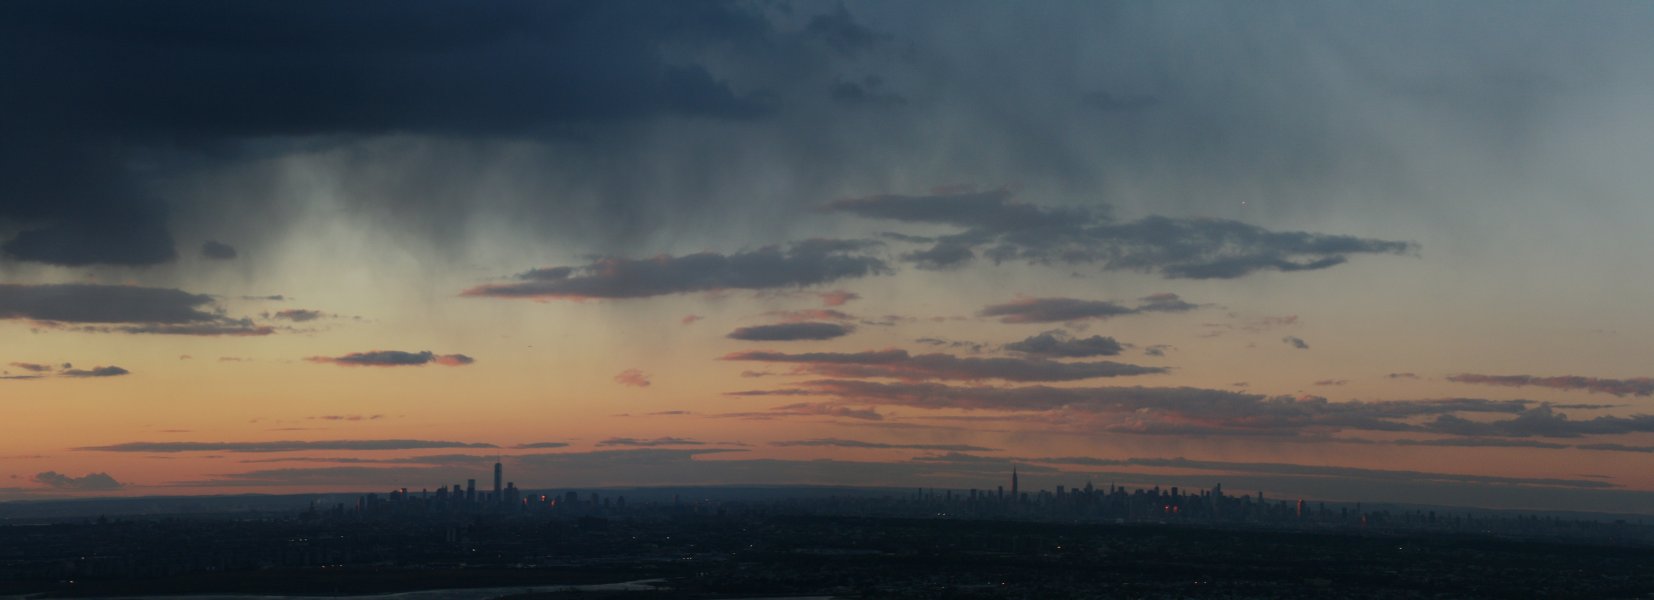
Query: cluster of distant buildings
x,y
506,497
1086,503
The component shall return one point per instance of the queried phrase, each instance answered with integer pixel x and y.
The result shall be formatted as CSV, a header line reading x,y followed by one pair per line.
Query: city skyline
x,y
1344,252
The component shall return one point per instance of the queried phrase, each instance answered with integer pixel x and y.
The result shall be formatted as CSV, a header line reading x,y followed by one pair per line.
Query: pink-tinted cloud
x,y
632,377
393,358
688,319
838,297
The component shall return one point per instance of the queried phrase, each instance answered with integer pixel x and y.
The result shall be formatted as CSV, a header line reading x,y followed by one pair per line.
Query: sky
x,y
1348,251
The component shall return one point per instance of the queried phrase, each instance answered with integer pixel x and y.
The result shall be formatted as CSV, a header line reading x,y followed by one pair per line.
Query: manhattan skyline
x,y
1346,252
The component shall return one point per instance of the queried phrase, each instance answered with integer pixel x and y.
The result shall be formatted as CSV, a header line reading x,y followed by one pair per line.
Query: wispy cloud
x,y
280,446
393,358
1056,310
650,443
901,365
1060,344
804,263
843,443
1636,386
998,227
782,332
632,377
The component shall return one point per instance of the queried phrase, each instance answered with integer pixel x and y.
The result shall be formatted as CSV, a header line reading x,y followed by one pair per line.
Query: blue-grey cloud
x,y
1002,229
1636,386
534,445
782,332
298,315
90,482
1543,421
122,309
1167,410
801,264
217,250
1059,344
107,371
1054,310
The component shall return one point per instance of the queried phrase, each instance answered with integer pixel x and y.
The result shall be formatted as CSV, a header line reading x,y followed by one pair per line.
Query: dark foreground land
x,y
711,556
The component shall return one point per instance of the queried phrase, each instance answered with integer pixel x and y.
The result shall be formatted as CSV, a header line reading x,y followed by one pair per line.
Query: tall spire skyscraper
x,y
497,472
1015,495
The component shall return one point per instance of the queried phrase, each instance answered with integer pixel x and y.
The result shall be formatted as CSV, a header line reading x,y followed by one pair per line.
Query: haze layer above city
x,y
1342,251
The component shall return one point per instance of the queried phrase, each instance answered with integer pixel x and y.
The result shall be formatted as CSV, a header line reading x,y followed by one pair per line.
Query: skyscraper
x,y
497,472
1015,496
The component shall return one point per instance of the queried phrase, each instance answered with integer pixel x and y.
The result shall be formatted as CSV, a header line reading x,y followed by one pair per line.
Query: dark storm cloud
x,y
1002,229
650,443
901,365
91,303
1636,386
281,446
782,332
870,91
801,264
217,250
88,482
1059,344
393,358
97,308
840,30
108,371
1116,102
98,79
842,443
1054,310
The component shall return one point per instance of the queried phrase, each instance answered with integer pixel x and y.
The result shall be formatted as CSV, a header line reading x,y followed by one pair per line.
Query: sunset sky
x,y
1342,251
